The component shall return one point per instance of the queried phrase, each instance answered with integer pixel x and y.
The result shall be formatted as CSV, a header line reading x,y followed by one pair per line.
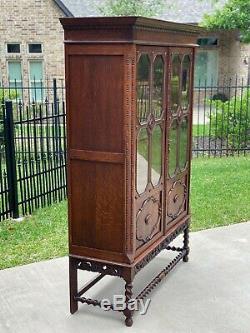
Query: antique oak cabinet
x,y
129,112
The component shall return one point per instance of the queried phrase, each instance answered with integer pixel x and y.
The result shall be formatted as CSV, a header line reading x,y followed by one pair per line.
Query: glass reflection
x,y
156,155
183,143
175,83
172,149
185,82
158,86
143,91
142,160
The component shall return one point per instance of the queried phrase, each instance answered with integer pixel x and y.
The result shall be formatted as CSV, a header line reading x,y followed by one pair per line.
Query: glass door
x,y
178,134
150,131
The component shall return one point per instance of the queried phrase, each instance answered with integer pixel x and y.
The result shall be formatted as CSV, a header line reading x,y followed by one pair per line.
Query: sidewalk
x,y
209,294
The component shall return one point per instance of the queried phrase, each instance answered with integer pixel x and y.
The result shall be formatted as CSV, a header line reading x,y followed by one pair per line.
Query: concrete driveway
x,y
210,293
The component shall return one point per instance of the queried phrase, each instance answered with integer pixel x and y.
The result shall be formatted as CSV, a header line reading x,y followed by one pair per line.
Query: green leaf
x,y
146,8
235,15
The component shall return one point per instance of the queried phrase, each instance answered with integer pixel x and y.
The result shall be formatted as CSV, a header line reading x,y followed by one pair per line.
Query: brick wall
x,y
239,57
27,21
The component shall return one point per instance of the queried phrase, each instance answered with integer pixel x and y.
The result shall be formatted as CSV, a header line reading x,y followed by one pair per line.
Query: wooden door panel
x,y
176,198
150,143
149,219
179,121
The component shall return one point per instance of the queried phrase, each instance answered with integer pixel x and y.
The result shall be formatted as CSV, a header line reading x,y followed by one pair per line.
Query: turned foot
x,y
127,312
129,322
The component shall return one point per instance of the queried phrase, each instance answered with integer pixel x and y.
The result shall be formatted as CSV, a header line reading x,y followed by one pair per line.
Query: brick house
x,y
31,40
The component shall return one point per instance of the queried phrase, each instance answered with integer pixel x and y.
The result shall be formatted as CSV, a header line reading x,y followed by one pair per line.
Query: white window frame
x,y
8,72
36,44
13,53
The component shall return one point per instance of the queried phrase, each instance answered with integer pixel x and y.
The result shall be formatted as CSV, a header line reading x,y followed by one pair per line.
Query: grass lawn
x,y
220,191
40,236
220,194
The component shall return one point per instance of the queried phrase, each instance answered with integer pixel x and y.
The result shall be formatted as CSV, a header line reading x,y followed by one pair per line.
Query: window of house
x,y
36,79
15,74
207,41
206,67
35,48
13,48
15,77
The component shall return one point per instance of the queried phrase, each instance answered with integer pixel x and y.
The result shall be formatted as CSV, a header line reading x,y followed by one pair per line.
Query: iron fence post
x,y
11,159
55,100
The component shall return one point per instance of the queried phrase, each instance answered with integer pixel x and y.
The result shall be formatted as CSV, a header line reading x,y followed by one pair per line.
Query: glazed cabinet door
x,y
150,132
178,134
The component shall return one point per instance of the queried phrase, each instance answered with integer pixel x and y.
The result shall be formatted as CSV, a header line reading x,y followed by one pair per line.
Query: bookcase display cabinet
x,y
129,87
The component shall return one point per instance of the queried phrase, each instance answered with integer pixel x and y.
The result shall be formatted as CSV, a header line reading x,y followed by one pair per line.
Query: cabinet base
x,y
127,273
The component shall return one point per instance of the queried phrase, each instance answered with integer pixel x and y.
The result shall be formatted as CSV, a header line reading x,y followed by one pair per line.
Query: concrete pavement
x,y
209,294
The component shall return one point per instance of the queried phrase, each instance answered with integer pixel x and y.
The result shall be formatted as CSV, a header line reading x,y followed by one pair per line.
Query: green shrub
x,y
231,121
7,94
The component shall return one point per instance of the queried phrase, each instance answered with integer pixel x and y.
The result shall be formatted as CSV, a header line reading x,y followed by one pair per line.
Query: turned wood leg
x,y
186,243
73,284
128,295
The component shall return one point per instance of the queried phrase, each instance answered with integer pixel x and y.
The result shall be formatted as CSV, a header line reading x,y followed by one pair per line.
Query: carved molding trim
x,y
154,214
129,74
163,245
94,266
176,198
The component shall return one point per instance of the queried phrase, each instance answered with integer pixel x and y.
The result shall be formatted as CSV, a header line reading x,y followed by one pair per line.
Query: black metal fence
x,y
221,118
32,148
33,138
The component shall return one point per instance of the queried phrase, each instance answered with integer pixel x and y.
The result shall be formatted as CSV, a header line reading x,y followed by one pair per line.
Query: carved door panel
x,y
178,134
150,133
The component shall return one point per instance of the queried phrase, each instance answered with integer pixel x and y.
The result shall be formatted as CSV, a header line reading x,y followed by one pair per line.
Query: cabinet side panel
x,y
97,210
96,102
